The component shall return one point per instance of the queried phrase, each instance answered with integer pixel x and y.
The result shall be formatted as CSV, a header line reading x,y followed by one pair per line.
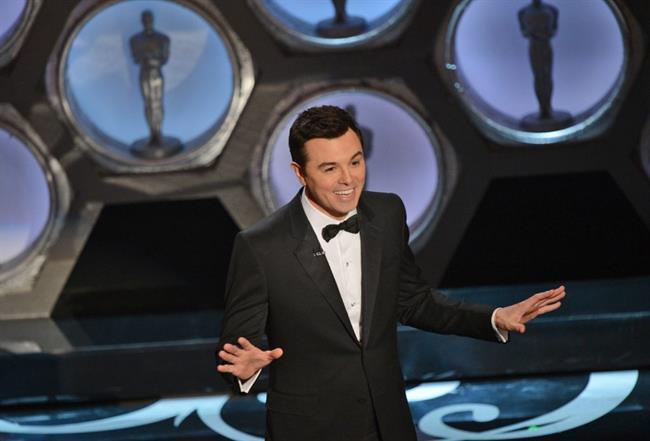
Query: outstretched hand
x,y
515,317
244,361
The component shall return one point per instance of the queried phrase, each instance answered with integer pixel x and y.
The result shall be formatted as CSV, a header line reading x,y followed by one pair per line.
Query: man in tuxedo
x,y
326,278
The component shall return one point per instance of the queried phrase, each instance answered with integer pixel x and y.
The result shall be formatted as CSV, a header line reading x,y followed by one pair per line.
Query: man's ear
x,y
297,169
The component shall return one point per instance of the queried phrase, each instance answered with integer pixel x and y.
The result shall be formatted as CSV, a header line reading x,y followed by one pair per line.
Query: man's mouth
x,y
344,192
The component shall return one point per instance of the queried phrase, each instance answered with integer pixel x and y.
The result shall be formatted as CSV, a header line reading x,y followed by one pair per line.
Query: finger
x,y
275,353
535,299
540,311
225,356
556,291
515,327
231,349
548,297
549,300
225,368
247,345
545,294
557,297
549,308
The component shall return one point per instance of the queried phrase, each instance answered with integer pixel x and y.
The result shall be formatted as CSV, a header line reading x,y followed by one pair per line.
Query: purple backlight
x,y
11,12
24,198
491,55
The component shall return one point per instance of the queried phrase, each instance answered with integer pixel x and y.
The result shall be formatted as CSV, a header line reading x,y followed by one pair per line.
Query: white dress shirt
x,y
343,254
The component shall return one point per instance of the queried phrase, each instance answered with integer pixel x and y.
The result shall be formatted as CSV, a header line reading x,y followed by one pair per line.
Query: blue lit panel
x,y
11,12
489,58
25,201
401,153
102,79
302,20
313,11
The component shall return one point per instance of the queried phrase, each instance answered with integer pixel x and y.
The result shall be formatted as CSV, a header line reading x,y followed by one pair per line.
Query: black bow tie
x,y
351,225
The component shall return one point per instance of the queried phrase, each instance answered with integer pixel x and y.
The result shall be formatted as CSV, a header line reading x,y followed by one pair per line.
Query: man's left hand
x,y
515,317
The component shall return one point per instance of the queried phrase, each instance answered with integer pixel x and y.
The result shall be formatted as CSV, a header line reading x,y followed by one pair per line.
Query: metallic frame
x,y
19,273
591,123
386,32
644,147
392,90
209,148
10,48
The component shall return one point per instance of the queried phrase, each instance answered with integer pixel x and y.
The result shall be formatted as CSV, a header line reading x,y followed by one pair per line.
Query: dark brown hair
x,y
319,122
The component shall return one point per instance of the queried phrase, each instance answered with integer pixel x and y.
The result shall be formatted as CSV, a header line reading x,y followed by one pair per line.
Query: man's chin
x,y
344,209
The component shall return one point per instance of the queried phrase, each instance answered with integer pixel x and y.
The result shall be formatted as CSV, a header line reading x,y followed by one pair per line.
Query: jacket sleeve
x,y
424,308
246,301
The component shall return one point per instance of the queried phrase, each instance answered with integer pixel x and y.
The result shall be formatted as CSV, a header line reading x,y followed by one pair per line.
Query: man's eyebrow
x,y
327,164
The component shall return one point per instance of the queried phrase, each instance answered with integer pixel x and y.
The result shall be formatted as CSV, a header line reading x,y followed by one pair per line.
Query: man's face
x,y
334,173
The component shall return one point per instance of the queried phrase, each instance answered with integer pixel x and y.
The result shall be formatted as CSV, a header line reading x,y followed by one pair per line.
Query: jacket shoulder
x,y
383,201
269,228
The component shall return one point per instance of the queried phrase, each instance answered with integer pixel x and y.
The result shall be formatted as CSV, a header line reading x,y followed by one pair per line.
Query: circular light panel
x,y
101,80
25,200
12,13
488,58
298,22
402,155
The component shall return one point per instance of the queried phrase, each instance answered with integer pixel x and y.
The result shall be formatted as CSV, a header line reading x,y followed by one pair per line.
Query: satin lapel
x,y
371,249
315,264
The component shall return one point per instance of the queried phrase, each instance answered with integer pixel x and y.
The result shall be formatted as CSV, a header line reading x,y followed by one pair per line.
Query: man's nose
x,y
345,177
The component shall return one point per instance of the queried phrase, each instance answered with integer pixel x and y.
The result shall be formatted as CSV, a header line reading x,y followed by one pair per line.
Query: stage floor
x,y
586,406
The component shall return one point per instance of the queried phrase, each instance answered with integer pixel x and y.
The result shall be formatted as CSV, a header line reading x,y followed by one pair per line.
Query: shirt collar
x,y
317,218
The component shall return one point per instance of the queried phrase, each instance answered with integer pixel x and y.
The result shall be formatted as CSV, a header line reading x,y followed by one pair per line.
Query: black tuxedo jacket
x,y
280,286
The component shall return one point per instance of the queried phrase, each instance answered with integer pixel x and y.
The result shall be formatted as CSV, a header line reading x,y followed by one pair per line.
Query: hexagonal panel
x,y
559,228
155,256
34,197
545,72
150,85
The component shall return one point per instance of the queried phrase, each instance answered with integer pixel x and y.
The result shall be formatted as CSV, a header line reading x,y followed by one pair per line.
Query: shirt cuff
x,y
245,387
501,334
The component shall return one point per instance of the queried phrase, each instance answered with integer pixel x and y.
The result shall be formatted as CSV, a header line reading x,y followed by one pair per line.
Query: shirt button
x,y
347,263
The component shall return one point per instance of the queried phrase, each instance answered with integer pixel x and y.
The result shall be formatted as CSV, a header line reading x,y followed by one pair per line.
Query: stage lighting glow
x,y
430,391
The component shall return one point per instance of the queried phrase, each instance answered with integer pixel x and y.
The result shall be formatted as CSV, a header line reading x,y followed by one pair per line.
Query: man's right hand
x,y
244,361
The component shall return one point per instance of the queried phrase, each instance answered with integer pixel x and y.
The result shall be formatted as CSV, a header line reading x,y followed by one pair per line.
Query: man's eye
x,y
329,169
356,162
